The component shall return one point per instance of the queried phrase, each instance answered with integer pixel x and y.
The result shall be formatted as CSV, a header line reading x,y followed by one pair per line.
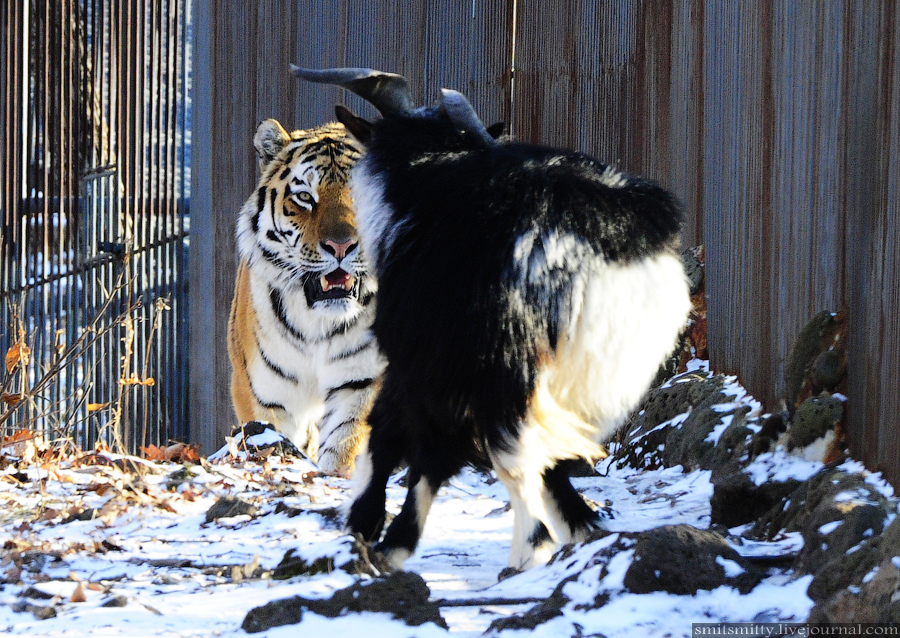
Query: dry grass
x,y
28,380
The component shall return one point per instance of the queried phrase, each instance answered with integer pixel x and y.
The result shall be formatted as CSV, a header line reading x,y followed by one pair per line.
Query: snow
x,y
178,572
732,569
781,466
149,544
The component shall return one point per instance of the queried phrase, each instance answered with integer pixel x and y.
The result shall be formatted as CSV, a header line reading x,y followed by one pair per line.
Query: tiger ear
x,y
270,138
357,127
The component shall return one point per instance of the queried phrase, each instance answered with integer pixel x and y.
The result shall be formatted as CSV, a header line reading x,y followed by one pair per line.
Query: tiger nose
x,y
339,250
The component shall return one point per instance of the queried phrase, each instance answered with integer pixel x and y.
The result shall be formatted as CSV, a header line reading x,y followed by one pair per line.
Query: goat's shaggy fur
x,y
527,297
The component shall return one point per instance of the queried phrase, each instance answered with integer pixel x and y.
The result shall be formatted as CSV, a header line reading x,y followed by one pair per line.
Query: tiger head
x,y
300,227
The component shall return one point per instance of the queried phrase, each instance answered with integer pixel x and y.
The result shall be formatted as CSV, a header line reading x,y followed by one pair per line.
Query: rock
x,y
690,444
645,445
332,517
853,567
833,510
738,498
537,615
609,545
275,443
404,595
39,611
682,560
350,554
875,601
694,268
816,431
770,432
226,507
116,601
818,359
36,594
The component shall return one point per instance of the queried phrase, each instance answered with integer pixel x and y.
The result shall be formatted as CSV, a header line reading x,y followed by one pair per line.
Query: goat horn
x,y
387,92
463,116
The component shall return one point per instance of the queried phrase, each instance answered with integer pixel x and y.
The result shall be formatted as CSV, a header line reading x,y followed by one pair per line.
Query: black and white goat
x,y
527,297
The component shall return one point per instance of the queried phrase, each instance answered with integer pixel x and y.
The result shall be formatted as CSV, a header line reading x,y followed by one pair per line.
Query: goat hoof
x,y
394,557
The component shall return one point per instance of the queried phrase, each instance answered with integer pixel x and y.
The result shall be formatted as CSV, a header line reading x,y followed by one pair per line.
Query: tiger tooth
x,y
323,281
350,281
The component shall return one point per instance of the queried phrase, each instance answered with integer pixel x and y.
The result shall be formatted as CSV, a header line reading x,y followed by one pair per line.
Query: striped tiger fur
x,y
302,351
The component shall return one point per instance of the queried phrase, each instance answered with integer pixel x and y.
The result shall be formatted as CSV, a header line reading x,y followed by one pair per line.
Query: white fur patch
x,y
623,322
613,178
624,325
374,218
396,558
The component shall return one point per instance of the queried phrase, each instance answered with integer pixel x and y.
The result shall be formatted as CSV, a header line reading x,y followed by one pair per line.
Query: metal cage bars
x,y
96,125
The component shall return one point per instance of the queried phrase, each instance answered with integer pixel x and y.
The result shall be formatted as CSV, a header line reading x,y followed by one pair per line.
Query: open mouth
x,y
338,284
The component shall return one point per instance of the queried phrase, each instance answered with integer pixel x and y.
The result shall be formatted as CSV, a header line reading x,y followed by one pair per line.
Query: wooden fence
x,y
776,121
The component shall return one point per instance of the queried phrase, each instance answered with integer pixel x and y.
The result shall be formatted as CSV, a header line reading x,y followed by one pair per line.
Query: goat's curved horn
x,y
464,117
387,92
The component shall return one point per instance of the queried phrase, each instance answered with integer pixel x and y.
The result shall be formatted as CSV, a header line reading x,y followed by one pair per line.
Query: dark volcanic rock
x,y
875,600
817,361
650,445
833,510
681,559
537,615
690,446
818,422
404,595
608,545
852,568
360,559
694,268
227,506
738,498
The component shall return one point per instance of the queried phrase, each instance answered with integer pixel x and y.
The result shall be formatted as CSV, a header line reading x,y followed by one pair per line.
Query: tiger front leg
x,y
343,429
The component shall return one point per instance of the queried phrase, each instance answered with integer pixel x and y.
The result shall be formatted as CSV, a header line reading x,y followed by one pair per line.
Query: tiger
x,y
299,337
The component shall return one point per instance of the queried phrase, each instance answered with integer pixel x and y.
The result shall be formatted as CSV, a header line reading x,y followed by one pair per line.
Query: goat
x,y
527,297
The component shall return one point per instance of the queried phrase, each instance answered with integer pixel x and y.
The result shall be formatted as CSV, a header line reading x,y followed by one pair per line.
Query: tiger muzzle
x,y
337,284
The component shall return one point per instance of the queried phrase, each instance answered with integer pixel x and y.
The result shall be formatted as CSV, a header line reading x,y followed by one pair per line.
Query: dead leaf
x,y
175,453
78,596
15,437
19,353
153,453
12,400
48,515
93,407
188,453
109,512
99,488
136,380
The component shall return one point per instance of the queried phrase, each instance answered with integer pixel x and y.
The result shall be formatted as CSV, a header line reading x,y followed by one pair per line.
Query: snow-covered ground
x,y
149,564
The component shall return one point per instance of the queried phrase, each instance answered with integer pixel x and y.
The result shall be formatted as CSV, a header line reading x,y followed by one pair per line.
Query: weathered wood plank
x,y
777,123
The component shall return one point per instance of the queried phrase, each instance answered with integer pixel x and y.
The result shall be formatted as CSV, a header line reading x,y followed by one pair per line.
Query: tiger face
x,y
299,336
300,227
